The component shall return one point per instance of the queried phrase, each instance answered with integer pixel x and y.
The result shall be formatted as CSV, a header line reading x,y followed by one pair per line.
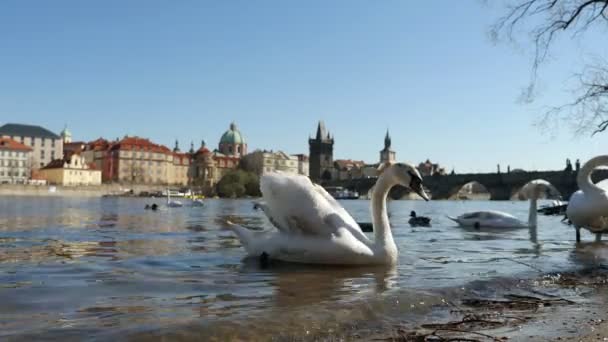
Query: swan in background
x,y
312,227
172,203
499,219
418,220
588,207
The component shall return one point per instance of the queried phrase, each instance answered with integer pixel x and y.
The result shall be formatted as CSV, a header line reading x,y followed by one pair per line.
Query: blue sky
x,y
186,69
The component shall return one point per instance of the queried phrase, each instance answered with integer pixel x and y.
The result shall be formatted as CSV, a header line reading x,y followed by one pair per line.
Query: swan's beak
x,y
422,194
416,185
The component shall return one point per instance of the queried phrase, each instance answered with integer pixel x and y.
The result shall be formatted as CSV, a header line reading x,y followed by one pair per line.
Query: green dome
x,y
66,132
232,136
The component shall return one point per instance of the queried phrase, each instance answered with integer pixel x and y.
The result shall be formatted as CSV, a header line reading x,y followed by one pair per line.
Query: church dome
x,y
232,136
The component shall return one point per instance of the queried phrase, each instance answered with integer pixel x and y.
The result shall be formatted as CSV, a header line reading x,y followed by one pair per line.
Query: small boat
x,y
339,192
197,202
173,203
555,208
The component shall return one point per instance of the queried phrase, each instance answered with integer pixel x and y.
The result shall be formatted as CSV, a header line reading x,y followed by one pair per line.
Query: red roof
x,y
54,164
139,144
128,144
12,145
203,150
98,145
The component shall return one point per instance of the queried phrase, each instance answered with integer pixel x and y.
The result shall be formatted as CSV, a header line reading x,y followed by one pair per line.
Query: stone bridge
x,y
501,186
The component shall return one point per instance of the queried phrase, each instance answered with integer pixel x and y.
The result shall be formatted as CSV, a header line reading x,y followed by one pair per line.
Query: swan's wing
x,y
300,207
348,219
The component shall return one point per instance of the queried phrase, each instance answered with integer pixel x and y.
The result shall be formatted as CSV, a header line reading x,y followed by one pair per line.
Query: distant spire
x,y
387,140
176,149
321,131
191,147
203,143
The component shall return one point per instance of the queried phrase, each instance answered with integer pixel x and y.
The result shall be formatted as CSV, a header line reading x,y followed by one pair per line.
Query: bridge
x,y
501,186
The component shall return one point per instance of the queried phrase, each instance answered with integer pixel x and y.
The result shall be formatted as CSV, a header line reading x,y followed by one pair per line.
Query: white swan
x,y
499,219
312,227
173,203
588,207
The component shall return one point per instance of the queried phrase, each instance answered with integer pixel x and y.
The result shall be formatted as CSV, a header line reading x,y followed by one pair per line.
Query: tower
x,y
66,135
321,161
387,155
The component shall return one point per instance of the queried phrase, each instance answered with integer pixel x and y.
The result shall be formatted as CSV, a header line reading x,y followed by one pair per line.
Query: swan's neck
x,y
583,178
532,220
382,228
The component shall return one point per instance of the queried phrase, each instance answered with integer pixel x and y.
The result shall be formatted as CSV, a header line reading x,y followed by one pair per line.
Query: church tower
x,y
321,161
387,155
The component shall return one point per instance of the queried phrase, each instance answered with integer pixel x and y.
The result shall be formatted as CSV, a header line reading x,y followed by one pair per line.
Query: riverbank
x,y
73,191
554,307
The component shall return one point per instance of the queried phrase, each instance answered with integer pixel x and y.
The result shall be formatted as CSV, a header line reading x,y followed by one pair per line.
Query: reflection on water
x,y
105,267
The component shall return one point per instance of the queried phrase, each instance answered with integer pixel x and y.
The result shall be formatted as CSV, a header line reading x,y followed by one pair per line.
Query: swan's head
x,y
405,175
540,188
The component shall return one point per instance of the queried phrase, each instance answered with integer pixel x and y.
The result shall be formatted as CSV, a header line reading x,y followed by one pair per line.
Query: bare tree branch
x,y
588,111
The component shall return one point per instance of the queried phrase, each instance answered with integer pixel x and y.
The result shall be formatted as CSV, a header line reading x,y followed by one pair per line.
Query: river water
x,y
105,268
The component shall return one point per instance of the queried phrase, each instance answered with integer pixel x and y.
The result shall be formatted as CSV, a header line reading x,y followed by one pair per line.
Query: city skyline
x,y
436,81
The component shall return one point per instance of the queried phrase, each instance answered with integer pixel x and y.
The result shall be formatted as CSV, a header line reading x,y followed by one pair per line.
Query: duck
x,y
313,228
418,220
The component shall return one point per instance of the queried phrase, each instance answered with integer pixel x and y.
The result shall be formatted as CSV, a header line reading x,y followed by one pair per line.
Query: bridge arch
x,y
470,190
551,193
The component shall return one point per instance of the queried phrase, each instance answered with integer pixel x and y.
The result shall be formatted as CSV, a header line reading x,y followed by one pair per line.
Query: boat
x,y
339,192
555,208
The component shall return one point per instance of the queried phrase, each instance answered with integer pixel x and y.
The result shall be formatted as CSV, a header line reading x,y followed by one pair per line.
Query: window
x,y
42,140
52,143
53,154
22,139
33,141
42,154
41,164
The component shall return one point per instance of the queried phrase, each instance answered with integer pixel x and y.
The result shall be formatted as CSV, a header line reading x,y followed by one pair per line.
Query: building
x,y
73,147
66,135
208,167
14,161
429,169
303,164
71,170
261,162
387,155
232,143
70,146
46,145
321,163
139,161
348,169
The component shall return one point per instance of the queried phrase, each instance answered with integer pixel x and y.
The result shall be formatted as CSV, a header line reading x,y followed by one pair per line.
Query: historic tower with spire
x,y
387,155
321,161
